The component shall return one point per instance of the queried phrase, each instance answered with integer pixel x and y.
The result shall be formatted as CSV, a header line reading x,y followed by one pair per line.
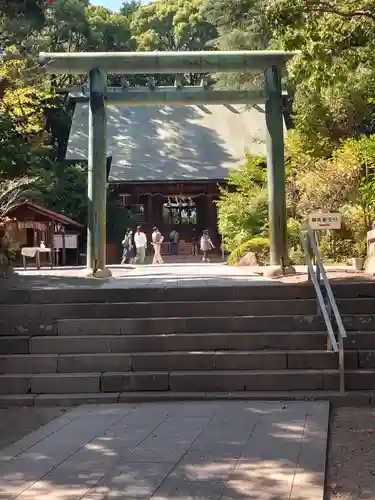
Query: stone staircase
x,y
76,345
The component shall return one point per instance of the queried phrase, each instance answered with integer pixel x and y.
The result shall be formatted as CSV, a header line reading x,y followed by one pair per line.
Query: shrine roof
x,y
173,143
45,213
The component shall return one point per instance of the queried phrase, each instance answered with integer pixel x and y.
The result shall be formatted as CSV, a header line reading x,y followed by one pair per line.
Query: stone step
x,y
178,342
336,398
83,344
185,381
266,291
270,291
129,326
23,314
47,313
177,361
147,326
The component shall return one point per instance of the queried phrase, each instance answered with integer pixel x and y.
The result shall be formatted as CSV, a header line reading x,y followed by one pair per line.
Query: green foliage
x,y
258,246
243,206
171,25
63,188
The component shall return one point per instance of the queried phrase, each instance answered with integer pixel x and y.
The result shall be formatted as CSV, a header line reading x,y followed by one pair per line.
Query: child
x,y
206,245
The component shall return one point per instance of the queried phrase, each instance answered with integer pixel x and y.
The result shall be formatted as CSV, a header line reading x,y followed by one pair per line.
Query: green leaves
x,y
171,25
243,206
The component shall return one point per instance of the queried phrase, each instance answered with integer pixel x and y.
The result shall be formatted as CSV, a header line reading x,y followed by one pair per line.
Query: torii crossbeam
x,y
97,65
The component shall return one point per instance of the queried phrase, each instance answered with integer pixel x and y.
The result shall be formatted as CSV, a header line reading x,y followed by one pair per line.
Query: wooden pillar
x,y
63,249
150,215
51,231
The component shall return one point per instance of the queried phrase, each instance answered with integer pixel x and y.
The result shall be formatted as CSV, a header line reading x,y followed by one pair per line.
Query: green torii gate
x,y
98,65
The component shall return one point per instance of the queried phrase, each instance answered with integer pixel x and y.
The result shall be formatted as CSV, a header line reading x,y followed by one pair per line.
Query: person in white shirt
x,y
157,240
140,241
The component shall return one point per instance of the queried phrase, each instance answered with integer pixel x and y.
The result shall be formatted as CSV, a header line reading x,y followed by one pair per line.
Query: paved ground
x,y
174,451
167,275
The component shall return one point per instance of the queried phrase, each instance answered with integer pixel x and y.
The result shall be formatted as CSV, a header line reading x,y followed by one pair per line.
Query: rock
x,y
278,271
248,259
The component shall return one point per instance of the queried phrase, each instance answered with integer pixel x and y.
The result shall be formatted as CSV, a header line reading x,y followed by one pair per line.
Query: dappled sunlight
x,y
214,450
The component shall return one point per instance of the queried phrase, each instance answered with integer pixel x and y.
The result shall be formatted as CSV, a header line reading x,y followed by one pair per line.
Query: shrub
x,y
258,245
8,251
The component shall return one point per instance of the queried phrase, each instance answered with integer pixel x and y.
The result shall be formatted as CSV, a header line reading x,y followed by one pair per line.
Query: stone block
x,y
146,381
69,345
15,384
359,322
85,363
121,326
172,361
14,345
76,399
284,380
138,343
255,360
28,363
207,381
358,305
360,380
360,340
17,400
313,360
366,359
65,383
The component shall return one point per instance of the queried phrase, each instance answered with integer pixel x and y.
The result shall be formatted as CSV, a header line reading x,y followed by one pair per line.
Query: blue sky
x,y
112,4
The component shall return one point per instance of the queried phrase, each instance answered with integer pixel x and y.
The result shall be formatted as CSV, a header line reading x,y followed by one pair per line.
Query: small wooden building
x,y
30,224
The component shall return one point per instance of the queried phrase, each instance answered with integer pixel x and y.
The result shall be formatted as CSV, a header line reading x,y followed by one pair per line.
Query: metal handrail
x,y
336,344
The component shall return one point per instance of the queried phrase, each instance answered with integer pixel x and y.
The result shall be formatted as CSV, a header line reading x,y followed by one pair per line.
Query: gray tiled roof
x,y
176,143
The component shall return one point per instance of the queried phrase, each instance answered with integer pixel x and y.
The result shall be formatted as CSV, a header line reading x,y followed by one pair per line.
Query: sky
x,y
113,5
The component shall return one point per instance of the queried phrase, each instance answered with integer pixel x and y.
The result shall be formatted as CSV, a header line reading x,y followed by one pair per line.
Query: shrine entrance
x,y
98,65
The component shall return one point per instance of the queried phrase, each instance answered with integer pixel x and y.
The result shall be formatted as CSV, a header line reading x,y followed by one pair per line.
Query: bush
x,y
8,251
258,245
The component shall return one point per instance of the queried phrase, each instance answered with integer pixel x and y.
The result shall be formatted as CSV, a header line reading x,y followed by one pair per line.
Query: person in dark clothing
x,y
194,242
174,239
127,243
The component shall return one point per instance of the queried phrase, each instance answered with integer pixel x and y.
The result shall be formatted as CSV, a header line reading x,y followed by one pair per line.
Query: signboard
x,y
71,241
321,220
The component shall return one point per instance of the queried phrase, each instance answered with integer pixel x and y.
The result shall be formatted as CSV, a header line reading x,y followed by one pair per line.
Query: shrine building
x,y
166,163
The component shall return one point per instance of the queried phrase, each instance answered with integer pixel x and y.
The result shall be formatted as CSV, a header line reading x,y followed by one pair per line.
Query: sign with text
x,y
320,220
71,241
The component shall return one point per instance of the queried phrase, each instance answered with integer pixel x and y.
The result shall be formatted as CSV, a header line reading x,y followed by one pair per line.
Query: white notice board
x,y
325,220
71,241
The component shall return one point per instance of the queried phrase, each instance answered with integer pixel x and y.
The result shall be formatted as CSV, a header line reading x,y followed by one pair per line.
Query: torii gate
x,y
98,65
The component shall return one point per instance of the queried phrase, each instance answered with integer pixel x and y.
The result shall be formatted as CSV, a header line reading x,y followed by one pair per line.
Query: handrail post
x,y
326,303
342,365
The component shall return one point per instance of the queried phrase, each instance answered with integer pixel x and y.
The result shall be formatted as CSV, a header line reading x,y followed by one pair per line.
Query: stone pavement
x,y
173,451
166,275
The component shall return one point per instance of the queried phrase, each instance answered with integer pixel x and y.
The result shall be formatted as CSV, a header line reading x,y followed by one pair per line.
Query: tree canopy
x,y
330,152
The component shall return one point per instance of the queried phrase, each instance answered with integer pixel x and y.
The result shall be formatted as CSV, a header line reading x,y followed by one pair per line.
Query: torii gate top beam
x,y
162,62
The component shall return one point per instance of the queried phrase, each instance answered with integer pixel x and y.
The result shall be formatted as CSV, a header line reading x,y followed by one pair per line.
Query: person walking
x,y
206,245
127,244
157,240
174,238
140,241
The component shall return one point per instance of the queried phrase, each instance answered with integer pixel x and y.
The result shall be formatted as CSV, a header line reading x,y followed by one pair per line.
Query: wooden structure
x,y
32,224
179,206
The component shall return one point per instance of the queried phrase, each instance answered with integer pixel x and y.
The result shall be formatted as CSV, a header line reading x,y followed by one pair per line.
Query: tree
x,y
21,116
333,76
128,8
172,25
11,193
62,188
241,25
243,206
